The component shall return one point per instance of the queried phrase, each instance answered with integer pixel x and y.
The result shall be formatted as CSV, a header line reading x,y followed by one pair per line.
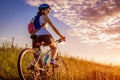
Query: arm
x,y
52,26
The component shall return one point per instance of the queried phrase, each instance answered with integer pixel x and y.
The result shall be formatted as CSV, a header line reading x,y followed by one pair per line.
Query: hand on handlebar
x,y
63,38
60,40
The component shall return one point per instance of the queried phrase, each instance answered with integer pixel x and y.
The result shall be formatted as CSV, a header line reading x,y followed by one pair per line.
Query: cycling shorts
x,y
37,40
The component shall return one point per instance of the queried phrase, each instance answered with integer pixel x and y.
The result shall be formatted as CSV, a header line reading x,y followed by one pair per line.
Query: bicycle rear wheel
x,y
26,69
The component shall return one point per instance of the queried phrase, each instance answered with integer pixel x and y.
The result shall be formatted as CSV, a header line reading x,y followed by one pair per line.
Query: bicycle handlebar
x,y
59,40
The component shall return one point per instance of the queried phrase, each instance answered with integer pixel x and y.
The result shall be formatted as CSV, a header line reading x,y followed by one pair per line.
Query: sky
x,y
91,27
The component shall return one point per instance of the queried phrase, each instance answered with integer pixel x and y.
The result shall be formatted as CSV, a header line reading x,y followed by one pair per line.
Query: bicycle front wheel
x,y
59,72
62,70
26,69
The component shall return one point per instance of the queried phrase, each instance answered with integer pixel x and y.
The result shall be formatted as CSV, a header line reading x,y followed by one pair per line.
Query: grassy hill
x,y
77,69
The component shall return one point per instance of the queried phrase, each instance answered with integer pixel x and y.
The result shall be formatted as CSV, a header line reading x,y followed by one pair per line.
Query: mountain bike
x,y
32,68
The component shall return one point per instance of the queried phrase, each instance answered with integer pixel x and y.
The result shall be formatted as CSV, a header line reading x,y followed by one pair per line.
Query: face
x,y
47,11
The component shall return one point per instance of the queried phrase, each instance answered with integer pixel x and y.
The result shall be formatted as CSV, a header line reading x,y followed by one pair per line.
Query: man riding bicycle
x,y
43,35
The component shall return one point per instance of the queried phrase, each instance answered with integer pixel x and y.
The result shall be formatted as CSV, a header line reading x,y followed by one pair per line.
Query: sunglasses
x,y
48,9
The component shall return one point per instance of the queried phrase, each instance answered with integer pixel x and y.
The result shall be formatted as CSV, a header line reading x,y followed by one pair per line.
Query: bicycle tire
x,y
23,64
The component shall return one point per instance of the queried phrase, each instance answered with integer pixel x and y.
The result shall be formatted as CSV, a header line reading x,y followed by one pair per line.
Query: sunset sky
x,y
91,27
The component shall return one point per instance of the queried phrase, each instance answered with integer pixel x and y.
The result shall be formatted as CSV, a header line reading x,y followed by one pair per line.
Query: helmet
x,y
43,6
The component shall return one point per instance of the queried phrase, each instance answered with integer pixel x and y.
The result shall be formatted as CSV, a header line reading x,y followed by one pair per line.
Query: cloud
x,y
3,38
33,2
96,21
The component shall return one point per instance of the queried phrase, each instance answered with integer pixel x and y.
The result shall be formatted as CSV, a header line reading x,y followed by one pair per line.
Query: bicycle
x,y
39,69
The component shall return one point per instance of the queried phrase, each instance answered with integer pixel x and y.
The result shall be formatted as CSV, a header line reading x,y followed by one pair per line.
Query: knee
x,y
53,47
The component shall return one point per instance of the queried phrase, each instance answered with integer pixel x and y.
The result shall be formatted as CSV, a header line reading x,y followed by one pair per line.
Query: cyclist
x,y
43,35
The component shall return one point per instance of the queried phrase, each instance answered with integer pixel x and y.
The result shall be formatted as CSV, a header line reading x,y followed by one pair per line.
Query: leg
x,y
48,39
35,46
54,49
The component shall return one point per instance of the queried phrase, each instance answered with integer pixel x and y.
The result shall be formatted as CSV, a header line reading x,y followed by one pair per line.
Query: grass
x,y
8,63
77,69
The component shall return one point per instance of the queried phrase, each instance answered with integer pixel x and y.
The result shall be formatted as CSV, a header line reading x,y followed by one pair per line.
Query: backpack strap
x,y
37,22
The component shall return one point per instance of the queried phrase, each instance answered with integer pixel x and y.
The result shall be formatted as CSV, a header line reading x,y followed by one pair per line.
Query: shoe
x,y
54,62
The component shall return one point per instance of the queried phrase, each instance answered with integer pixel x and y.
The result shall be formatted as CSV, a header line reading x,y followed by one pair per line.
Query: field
x,y
77,69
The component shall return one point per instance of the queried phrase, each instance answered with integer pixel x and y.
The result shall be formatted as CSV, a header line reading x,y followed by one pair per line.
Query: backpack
x,y
34,25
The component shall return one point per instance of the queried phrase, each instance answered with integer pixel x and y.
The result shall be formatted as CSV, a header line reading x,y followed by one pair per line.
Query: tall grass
x,y
8,63
77,69
85,70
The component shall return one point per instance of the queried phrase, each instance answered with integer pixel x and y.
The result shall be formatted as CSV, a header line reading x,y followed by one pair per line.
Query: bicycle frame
x,y
48,52
30,65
